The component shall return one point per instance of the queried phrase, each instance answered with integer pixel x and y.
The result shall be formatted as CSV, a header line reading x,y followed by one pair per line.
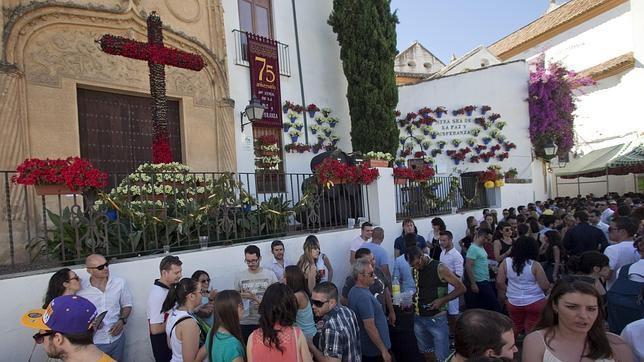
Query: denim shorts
x,y
432,335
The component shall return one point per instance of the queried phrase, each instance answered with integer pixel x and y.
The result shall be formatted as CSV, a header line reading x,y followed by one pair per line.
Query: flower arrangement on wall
x,y
75,173
332,171
417,134
492,177
267,153
323,129
551,103
419,174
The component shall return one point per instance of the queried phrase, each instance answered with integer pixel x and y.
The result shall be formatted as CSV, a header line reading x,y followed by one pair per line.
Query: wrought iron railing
x,y
182,211
241,53
440,195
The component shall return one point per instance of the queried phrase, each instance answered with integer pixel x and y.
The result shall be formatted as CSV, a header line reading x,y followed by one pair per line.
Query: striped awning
x,y
621,159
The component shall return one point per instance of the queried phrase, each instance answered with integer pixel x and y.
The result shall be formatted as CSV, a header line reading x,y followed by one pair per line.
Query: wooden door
x,y
116,130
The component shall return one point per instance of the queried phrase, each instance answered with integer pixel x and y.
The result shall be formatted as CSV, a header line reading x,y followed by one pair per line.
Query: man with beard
x,y
65,329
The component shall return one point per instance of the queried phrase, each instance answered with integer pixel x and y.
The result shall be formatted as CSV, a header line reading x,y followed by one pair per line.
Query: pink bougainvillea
x,y
552,104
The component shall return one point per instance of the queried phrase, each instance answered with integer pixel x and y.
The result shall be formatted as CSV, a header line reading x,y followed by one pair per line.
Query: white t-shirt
x,y
115,297
633,333
453,260
619,255
357,243
155,302
636,271
256,283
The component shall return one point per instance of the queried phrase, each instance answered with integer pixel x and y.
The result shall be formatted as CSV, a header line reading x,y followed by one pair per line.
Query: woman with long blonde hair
x,y
315,266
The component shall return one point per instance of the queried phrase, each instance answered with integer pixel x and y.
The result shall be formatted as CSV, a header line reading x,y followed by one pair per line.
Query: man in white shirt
x,y
279,262
623,252
595,220
366,230
453,260
608,211
170,269
107,293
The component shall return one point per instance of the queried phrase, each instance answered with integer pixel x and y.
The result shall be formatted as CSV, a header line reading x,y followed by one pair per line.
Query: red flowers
x,y
267,140
410,116
332,171
417,174
297,148
312,108
154,53
76,173
419,154
489,175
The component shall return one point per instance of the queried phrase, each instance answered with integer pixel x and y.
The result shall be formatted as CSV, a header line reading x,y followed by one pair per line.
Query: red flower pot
x,y
377,163
60,189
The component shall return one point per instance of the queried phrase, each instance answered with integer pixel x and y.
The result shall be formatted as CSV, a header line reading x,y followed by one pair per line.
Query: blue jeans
x,y
432,335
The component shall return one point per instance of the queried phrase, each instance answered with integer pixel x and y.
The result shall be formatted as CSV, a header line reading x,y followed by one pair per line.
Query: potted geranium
x,y
298,125
426,144
425,111
411,116
378,159
493,117
332,121
59,176
332,171
312,108
441,144
439,111
456,142
511,173
485,109
426,129
326,111
294,134
469,109
471,141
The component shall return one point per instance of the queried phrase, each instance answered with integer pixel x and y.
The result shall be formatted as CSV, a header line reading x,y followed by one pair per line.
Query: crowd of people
x,y
562,279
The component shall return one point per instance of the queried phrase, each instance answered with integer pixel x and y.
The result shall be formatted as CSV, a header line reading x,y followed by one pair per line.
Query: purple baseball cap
x,y
66,314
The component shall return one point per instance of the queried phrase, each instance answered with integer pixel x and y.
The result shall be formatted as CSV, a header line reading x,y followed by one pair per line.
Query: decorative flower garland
x,y
267,152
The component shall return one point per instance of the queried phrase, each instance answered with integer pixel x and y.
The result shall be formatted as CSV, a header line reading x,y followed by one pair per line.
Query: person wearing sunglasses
x,y
62,282
65,329
338,338
374,332
251,283
204,312
108,293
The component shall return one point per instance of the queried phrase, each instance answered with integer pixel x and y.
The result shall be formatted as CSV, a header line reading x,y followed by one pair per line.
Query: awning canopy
x,y
621,159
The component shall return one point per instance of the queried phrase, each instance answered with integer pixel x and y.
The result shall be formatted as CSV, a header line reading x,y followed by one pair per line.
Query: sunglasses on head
x,y
318,303
100,267
39,338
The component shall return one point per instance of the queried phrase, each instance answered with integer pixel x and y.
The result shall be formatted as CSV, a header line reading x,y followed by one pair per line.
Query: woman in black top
x,y
438,225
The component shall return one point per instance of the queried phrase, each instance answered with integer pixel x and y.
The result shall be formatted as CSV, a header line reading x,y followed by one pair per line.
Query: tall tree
x,y
366,32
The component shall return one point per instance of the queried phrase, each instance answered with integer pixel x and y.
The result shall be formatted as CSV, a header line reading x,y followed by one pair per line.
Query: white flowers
x,y
379,156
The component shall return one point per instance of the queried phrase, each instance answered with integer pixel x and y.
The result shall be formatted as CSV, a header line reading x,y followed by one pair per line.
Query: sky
x,y
447,27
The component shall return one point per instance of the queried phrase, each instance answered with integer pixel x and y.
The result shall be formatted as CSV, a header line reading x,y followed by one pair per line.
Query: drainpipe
x,y
299,71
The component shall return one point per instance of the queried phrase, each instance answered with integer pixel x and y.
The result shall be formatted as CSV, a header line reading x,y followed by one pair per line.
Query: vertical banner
x,y
265,78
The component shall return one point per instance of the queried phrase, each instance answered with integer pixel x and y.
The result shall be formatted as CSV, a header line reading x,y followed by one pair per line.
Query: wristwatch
x,y
124,320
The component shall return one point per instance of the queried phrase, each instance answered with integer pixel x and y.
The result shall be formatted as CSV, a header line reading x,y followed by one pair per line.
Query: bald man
x,y
108,293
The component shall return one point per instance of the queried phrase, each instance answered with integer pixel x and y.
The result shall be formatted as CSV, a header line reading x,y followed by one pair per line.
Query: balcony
x,y
241,53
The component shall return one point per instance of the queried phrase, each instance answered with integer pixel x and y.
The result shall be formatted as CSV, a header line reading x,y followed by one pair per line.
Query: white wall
x,y
323,78
596,185
503,87
613,100
27,291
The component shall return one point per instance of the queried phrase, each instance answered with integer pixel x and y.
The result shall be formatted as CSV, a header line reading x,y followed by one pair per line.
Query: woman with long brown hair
x,y
277,338
315,265
223,343
572,328
294,278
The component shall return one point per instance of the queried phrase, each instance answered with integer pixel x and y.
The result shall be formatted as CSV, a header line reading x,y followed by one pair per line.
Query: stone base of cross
x,y
157,56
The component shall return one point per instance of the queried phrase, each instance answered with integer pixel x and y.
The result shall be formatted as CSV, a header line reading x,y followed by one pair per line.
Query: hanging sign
x,y
265,78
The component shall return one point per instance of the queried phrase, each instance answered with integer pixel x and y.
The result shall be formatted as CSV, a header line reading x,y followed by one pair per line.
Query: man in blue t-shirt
x,y
408,228
374,333
379,253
